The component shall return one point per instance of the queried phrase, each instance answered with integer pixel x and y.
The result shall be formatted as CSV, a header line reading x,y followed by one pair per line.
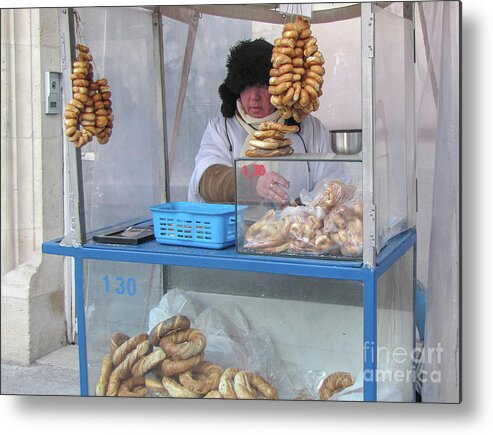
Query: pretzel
x,y
148,362
183,344
173,367
133,387
104,377
126,347
335,383
155,387
176,390
175,323
123,370
202,378
214,394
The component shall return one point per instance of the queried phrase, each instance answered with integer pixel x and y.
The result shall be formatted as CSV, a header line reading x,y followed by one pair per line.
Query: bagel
x,y
288,51
279,127
279,59
242,387
302,23
202,378
287,99
290,26
313,83
270,144
335,383
279,152
279,89
171,367
308,51
284,42
226,383
264,388
290,34
314,76
175,323
288,77
305,34
298,62
183,344
253,386
318,69
286,112
264,134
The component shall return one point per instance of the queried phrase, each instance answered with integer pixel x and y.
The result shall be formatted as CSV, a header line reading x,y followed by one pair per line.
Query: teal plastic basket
x,y
195,224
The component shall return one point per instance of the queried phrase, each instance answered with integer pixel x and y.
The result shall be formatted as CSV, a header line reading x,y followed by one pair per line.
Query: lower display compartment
x,y
292,331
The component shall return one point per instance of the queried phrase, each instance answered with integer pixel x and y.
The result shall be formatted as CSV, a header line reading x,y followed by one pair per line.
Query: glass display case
x,y
337,329
321,218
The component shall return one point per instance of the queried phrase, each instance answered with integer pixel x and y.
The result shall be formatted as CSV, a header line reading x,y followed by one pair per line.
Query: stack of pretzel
x,y
269,140
169,362
89,112
331,224
297,71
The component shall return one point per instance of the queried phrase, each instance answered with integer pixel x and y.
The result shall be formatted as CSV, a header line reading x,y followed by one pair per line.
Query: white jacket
x,y
223,140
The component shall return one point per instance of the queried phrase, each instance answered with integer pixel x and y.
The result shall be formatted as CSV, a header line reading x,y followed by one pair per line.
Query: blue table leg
x,y
370,338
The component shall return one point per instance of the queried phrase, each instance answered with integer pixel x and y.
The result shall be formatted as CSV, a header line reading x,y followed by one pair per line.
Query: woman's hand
x,y
271,187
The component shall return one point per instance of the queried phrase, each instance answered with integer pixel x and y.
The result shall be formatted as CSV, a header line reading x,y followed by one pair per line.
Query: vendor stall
x,y
313,301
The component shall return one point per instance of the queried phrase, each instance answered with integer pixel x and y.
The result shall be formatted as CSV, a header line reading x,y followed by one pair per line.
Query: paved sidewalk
x,y
56,374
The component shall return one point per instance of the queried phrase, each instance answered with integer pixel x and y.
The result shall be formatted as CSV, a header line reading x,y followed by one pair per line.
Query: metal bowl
x,y
345,142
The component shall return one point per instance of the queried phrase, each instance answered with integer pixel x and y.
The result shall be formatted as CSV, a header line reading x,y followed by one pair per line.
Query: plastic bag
x,y
231,342
329,222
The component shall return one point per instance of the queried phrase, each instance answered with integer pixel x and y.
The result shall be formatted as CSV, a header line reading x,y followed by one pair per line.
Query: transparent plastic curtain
x,y
207,71
438,133
394,125
121,178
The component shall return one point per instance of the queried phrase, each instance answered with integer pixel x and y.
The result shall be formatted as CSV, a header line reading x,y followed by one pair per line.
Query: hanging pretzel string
x,y
89,112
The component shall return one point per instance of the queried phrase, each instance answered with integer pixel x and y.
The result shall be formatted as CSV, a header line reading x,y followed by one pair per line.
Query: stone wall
x,y
32,293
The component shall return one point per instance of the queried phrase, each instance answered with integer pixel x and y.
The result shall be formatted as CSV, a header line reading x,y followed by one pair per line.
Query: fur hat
x,y
248,64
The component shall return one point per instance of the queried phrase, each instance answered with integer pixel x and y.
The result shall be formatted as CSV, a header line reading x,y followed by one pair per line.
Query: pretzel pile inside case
x,y
329,223
169,362
89,112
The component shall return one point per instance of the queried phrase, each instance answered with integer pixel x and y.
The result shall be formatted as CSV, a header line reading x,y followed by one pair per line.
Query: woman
x,y
245,105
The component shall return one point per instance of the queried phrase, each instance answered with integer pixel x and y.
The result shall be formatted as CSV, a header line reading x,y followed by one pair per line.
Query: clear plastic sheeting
x,y
118,298
201,99
395,330
120,178
438,30
236,337
394,172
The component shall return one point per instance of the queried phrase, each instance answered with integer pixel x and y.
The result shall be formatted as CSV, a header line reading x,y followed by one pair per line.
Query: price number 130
x,y
120,285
